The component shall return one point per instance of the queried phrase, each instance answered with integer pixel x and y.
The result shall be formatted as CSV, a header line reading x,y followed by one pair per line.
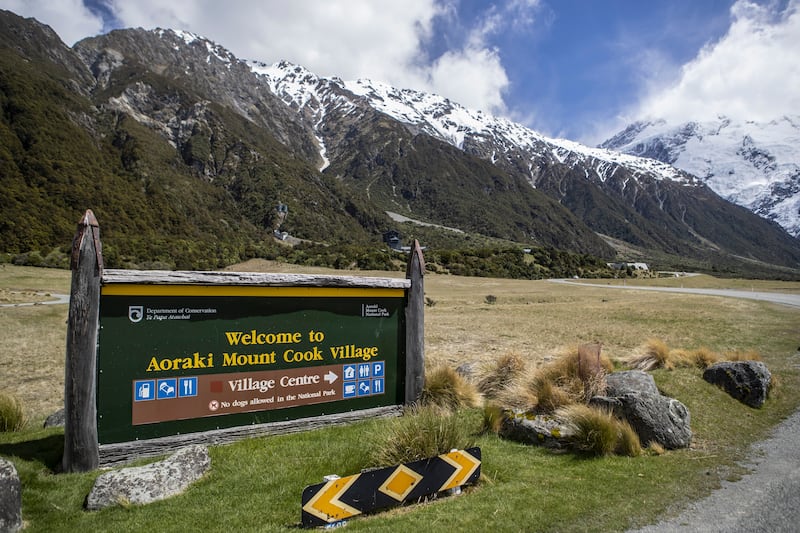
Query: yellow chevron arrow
x,y
325,504
464,463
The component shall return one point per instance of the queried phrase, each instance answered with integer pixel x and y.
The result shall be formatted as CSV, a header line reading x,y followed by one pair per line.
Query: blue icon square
x,y
144,390
349,389
349,371
378,369
364,388
166,389
364,370
378,386
187,387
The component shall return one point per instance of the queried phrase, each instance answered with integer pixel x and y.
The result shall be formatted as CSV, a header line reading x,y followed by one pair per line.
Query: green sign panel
x,y
176,359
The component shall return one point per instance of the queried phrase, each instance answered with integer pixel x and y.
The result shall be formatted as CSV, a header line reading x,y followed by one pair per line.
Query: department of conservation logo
x,y
135,313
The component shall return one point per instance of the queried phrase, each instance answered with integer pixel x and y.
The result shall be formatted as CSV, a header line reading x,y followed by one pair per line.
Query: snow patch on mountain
x,y
453,123
753,164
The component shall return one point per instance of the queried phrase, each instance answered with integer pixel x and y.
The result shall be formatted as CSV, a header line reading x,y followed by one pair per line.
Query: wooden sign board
x,y
180,358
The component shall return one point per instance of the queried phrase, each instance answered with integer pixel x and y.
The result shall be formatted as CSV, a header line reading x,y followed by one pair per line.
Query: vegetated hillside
x,y
185,157
190,159
632,201
204,202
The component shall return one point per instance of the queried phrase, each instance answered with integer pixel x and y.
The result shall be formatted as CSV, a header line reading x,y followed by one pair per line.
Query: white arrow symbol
x,y
330,377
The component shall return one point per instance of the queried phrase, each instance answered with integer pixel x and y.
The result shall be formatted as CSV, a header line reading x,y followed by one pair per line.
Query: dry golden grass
x,y
533,319
656,354
445,388
501,375
598,432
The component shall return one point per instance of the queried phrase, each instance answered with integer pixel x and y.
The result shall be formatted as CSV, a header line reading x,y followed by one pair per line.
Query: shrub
x,y
704,357
597,432
492,418
746,355
444,387
490,299
551,396
12,417
424,431
559,383
506,369
654,354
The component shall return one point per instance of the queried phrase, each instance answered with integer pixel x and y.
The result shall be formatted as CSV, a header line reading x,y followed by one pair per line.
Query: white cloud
x,y
473,77
69,18
751,73
384,40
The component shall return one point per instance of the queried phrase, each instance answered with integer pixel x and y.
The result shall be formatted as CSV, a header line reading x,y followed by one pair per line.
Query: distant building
x,y
393,239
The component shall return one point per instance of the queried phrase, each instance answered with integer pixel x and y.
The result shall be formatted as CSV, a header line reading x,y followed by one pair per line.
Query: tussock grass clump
x,y
742,355
446,388
12,416
424,431
704,357
492,418
560,382
505,371
598,432
655,354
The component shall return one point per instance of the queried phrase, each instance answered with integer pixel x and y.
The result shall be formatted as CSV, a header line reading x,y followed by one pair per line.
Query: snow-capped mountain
x,y
641,201
752,164
469,130
171,114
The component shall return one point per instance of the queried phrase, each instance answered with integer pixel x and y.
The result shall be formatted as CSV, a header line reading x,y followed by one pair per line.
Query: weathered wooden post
x,y
81,448
415,326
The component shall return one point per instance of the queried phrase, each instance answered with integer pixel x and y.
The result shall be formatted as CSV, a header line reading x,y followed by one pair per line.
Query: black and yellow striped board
x,y
341,498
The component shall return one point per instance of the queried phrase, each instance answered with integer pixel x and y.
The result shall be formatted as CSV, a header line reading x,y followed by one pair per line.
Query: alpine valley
x,y
193,158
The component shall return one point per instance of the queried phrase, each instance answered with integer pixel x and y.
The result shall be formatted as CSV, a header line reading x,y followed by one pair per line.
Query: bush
x,y
559,383
598,432
445,388
12,417
507,368
424,431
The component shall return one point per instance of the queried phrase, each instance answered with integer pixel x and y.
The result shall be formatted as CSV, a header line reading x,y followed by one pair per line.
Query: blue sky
x,y
579,69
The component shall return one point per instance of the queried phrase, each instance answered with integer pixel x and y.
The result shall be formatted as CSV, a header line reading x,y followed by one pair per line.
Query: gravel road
x,y
767,500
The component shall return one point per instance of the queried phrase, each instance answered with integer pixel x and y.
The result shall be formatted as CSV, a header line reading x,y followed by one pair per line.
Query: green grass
x,y
256,484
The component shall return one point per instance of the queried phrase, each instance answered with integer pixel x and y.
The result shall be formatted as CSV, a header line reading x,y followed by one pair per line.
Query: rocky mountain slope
x,y
641,201
189,155
752,164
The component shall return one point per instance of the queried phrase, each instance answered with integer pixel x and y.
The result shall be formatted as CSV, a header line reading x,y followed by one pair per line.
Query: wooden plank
x,y
114,454
415,326
249,278
80,429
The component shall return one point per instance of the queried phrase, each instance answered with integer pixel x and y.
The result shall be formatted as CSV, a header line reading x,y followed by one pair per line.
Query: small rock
x,y
10,498
540,430
747,381
145,484
654,417
630,381
56,419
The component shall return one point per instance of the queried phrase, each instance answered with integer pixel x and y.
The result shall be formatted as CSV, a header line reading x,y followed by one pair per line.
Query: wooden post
x,y
415,326
81,449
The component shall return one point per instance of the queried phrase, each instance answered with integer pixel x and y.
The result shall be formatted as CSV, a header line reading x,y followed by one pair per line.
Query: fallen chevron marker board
x,y
342,498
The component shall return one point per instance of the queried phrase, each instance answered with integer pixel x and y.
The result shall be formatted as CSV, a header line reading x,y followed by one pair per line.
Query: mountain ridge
x,y
175,121
752,164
